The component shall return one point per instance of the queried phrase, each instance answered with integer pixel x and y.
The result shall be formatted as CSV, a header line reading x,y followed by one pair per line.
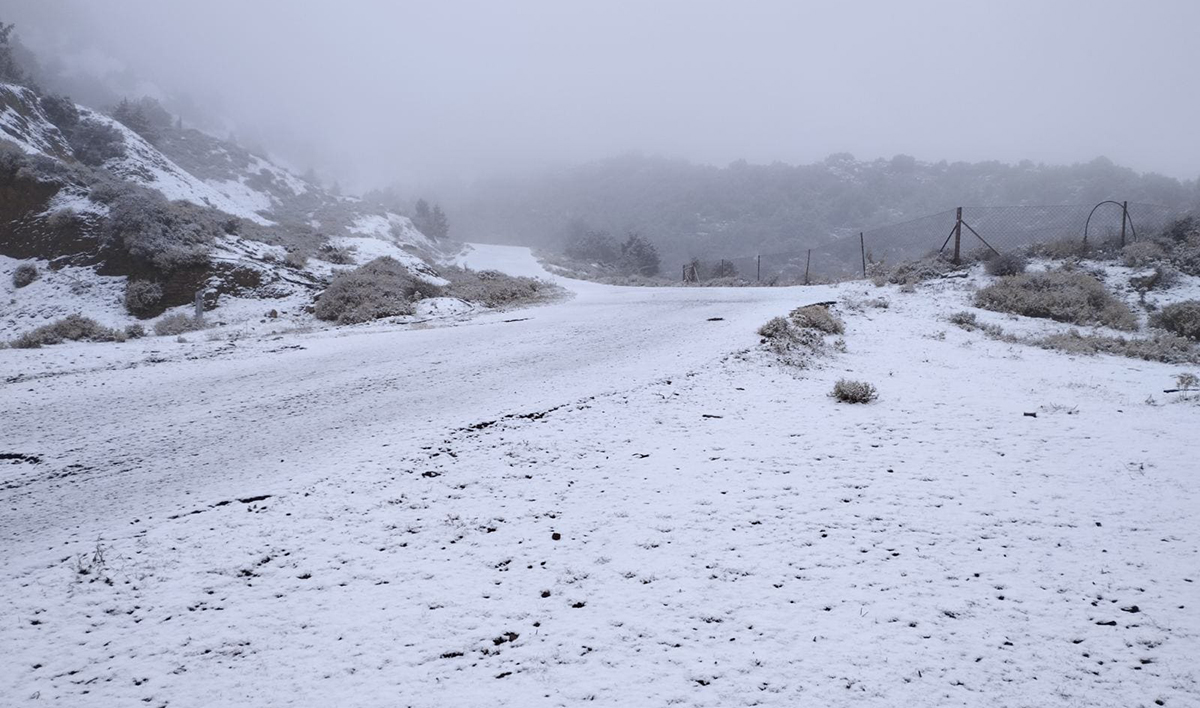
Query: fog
x,y
374,92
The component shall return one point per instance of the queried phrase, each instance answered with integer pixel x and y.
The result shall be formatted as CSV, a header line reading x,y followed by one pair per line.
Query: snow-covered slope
x,y
56,217
24,124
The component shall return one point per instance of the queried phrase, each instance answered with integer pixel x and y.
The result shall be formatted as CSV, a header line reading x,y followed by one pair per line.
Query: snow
x,y
36,136
145,165
365,516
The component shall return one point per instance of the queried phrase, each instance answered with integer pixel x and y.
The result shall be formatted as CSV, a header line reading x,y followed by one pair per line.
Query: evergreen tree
x,y
10,69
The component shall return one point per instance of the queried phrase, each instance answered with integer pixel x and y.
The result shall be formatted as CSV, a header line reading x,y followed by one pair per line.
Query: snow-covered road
x,y
140,442
664,517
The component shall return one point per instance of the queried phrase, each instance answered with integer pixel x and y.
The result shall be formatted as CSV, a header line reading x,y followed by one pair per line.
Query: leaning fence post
x,y
1124,218
807,262
957,235
862,244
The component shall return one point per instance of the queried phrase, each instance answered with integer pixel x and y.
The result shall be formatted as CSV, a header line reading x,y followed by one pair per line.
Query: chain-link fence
x,y
994,228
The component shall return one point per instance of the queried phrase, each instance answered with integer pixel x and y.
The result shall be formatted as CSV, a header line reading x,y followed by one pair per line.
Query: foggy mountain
x,y
691,210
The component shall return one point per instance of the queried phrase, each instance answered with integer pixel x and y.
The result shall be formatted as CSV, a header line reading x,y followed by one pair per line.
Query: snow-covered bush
x,y
1166,348
1011,263
848,391
25,274
794,345
817,317
142,298
295,259
1142,253
1180,318
166,236
337,255
381,288
72,327
492,288
178,323
95,143
1061,295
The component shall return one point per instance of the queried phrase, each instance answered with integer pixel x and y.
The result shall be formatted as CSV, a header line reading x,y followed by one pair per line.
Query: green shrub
x,y
73,328
1062,296
1011,263
848,391
1180,318
817,317
381,288
178,323
25,274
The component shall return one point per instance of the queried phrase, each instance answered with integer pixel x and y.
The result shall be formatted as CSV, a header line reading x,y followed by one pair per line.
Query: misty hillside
x,y
161,212
689,209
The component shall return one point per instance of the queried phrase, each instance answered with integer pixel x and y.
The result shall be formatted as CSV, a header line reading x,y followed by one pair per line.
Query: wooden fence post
x,y
807,262
758,269
957,236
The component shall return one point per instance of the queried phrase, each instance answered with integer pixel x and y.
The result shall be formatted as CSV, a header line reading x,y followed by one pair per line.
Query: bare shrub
x,y
793,345
73,328
817,317
1142,253
295,259
381,288
135,331
25,274
848,391
337,255
1180,318
143,298
1187,381
492,288
178,323
1061,249
1011,263
1166,348
913,272
964,319
1161,278
1062,296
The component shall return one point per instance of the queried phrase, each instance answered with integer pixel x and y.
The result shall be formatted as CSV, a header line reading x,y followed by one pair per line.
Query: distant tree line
x,y
741,209
632,256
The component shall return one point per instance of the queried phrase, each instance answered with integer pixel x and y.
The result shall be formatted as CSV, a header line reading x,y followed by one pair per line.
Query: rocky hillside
x,y
168,211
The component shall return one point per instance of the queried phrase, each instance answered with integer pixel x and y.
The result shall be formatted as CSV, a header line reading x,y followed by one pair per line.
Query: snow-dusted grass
x,y
608,500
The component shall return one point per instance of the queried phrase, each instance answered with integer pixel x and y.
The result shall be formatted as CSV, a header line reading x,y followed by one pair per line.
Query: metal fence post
x,y
807,262
957,236
758,269
862,244
1124,218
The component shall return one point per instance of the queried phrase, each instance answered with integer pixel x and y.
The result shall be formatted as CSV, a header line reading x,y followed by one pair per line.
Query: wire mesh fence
x,y
988,228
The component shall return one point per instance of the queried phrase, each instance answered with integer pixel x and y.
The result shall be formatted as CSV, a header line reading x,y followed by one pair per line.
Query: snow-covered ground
x,y
613,499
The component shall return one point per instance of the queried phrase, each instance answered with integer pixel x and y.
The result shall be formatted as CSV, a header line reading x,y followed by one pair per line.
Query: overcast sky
x,y
376,91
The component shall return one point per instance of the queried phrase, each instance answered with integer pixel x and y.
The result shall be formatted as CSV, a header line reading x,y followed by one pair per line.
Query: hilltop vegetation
x,y
688,210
